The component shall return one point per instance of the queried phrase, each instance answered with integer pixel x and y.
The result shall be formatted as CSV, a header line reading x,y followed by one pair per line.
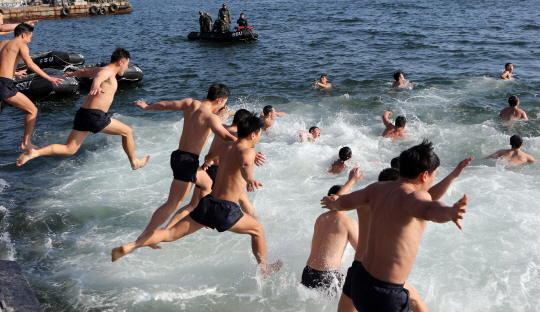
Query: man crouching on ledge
x,y
219,209
399,214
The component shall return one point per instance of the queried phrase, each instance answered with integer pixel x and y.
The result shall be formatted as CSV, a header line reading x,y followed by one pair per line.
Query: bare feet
x,y
140,163
29,146
271,269
119,252
26,156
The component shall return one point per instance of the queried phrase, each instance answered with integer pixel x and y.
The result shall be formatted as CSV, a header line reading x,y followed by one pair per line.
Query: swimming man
x,y
338,165
199,120
515,155
219,209
323,83
399,211
394,131
512,112
314,132
508,69
92,116
400,81
11,52
268,114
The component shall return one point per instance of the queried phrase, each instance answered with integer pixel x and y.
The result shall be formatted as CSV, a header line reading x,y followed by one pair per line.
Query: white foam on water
x,y
492,265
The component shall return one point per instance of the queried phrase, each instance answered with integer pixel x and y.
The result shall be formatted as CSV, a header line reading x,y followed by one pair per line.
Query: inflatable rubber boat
x,y
37,88
240,34
132,74
54,58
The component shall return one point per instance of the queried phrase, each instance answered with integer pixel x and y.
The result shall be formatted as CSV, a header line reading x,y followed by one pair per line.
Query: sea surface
x,y
61,216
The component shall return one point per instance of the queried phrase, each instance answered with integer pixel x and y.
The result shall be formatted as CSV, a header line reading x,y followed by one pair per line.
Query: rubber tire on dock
x,y
65,11
113,7
93,10
102,11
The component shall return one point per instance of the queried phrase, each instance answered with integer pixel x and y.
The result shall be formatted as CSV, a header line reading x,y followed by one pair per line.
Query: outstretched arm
x,y
217,127
354,177
25,55
419,205
437,191
246,169
164,105
347,202
83,72
385,119
497,154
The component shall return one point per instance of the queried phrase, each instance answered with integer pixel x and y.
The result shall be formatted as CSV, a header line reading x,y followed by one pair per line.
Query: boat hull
x,y
37,88
238,35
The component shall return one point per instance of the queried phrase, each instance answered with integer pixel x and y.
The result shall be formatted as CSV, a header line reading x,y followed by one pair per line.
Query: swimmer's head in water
x,y
324,77
218,91
516,141
508,66
345,153
513,101
315,131
394,163
23,28
334,190
397,76
248,125
389,174
267,110
418,159
401,121
239,115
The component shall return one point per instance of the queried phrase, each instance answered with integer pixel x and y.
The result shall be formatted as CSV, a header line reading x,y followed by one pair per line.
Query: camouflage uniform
x,y
225,12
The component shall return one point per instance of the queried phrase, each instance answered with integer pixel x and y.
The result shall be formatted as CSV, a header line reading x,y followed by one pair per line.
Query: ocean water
x,y
61,216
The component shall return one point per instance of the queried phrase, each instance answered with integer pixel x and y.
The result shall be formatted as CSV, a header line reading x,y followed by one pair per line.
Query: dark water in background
x,y
450,48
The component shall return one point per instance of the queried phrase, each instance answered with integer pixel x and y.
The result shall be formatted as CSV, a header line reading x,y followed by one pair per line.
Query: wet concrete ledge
x,y
15,291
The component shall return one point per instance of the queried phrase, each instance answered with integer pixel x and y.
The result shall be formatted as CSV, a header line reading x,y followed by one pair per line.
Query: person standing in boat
x,y
6,29
205,21
225,15
242,21
11,52
92,116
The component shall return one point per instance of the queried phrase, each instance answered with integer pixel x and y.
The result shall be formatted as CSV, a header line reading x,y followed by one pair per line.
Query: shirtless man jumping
x,y
219,209
92,116
513,156
399,211
199,120
392,131
211,168
512,112
11,52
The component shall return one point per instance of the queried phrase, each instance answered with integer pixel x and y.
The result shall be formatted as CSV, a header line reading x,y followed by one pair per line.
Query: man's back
x,y
230,183
9,57
394,132
514,156
331,233
196,130
509,113
394,235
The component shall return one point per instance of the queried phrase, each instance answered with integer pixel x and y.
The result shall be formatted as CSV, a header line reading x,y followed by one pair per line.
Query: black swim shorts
x,y
216,213
93,120
7,88
324,280
370,294
348,279
184,166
